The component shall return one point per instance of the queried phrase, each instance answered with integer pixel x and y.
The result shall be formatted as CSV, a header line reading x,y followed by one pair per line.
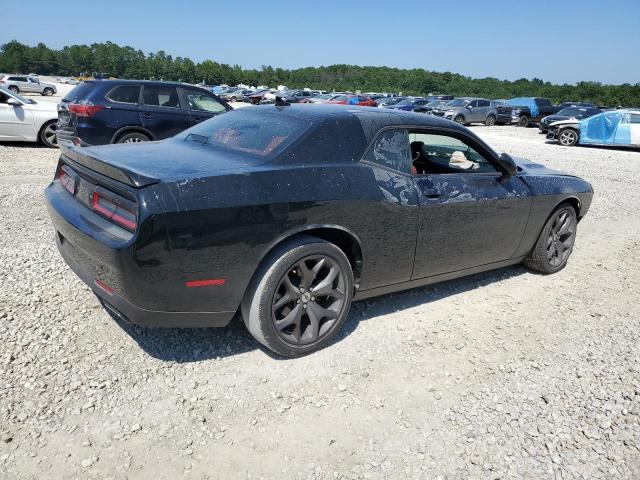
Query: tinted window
x,y
246,131
203,102
434,153
79,92
391,150
160,96
473,104
634,118
125,94
483,103
543,102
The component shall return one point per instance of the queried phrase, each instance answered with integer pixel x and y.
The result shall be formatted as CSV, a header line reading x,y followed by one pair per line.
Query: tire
x,y
47,134
132,137
490,121
568,137
523,121
277,308
555,243
459,119
234,99
47,92
14,89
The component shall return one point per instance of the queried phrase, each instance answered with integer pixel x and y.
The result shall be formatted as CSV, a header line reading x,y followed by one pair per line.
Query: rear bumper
x,y
102,262
68,137
131,313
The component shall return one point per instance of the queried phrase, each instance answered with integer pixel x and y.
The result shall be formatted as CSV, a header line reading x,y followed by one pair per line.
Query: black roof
x,y
317,111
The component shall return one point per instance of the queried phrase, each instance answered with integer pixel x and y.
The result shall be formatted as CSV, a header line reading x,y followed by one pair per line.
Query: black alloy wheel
x,y
308,300
560,239
523,121
300,296
555,243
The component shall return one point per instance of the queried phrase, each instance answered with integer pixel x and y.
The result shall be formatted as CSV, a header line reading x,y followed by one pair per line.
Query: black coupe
x,y
287,213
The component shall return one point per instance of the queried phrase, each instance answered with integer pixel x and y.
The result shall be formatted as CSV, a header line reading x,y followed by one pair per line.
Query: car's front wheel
x,y
300,298
555,243
14,89
568,137
47,92
48,134
523,121
459,119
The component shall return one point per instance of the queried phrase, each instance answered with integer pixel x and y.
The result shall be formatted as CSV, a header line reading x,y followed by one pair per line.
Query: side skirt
x,y
443,277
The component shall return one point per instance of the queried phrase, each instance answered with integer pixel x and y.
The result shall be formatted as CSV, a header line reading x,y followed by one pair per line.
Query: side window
x,y
473,104
440,153
125,94
202,102
484,103
634,118
391,150
160,96
542,102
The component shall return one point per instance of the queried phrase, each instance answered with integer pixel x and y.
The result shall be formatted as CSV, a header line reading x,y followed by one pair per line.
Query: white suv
x,y
26,84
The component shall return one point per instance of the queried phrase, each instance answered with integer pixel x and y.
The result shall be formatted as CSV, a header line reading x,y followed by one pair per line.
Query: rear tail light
x,y
116,208
84,109
68,180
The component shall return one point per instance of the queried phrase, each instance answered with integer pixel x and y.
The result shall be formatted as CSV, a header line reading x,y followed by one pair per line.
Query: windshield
x,y
15,95
406,102
457,102
326,96
434,103
253,132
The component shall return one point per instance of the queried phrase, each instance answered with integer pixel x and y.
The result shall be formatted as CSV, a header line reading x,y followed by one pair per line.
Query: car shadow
x,y
187,345
600,147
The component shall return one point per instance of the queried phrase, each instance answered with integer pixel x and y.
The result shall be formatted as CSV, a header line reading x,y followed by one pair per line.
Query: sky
x,y
559,41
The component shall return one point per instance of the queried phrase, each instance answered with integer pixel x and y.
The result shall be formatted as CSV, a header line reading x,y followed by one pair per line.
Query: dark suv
x,y
97,112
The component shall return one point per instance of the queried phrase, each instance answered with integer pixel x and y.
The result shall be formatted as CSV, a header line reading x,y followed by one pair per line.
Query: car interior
x,y
443,154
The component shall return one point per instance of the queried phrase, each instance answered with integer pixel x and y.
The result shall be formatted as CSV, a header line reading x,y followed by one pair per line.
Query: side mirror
x,y
508,167
13,101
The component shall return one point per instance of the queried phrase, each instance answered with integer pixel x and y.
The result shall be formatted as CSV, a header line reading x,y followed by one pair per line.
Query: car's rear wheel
x,y
555,243
14,89
523,121
47,92
568,137
48,134
459,119
490,121
300,298
133,137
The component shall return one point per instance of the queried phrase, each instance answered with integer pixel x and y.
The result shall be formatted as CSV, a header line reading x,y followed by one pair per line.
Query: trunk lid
x,y
142,164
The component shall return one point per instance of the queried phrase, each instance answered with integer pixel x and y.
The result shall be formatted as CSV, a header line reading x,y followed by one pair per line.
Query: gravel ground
x,y
507,374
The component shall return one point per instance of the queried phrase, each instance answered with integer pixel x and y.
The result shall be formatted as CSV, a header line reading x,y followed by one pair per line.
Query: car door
x,y
16,121
473,114
161,111
33,85
627,132
468,216
482,110
201,105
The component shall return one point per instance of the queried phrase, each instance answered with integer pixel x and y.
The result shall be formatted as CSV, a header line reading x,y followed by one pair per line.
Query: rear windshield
x,y
253,131
79,92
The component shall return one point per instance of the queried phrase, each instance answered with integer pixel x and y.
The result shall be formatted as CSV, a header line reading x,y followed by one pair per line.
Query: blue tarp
x,y
605,129
524,102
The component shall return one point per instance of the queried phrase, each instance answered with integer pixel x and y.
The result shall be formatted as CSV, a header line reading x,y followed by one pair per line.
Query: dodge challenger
x,y
285,214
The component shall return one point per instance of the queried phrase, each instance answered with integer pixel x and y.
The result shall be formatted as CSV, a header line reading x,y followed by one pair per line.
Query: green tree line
x,y
127,62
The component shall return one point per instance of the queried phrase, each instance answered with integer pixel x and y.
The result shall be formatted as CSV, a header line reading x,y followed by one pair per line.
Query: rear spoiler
x,y
93,162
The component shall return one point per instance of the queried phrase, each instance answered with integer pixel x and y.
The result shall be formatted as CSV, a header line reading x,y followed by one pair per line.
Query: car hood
x,y
527,167
569,121
43,107
168,160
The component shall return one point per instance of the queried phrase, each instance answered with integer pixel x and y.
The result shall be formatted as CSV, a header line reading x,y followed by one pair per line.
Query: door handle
x,y
431,193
